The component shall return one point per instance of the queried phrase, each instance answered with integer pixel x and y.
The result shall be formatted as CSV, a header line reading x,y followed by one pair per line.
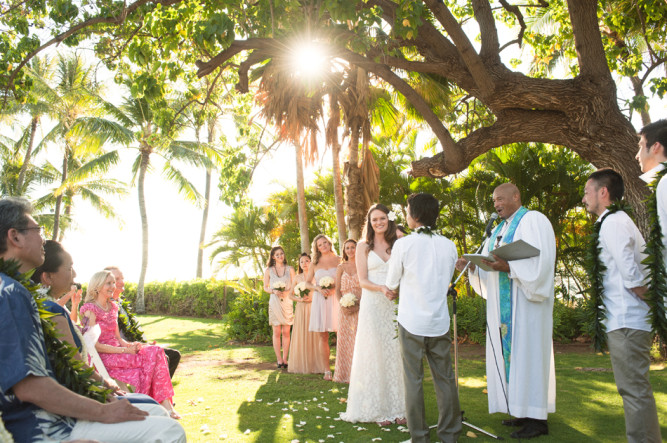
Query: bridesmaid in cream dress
x,y
347,282
324,312
304,350
281,314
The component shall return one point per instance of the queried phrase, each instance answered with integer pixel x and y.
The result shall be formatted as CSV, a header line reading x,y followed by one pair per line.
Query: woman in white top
x,y
278,283
376,393
325,307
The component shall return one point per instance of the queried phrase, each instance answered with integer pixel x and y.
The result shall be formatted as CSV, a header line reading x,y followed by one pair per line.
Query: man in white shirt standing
x,y
652,156
626,314
520,371
423,264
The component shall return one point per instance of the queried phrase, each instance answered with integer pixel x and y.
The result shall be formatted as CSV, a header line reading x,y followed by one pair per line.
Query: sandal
x,y
327,375
384,423
401,421
175,415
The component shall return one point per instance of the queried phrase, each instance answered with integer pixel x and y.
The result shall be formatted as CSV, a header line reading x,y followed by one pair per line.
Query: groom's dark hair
x,y
424,208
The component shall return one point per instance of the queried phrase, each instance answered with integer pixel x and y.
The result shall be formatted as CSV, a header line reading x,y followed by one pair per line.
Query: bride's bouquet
x,y
348,300
327,282
279,285
300,290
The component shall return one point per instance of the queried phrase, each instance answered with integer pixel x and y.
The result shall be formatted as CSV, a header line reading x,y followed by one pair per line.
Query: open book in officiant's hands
x,y
517,250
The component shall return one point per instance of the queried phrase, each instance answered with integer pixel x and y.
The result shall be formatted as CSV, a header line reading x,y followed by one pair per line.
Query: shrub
x,y
194,298
470,318
248,318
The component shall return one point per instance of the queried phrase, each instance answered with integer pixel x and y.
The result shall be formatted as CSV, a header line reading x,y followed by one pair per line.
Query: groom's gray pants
x,y
436,349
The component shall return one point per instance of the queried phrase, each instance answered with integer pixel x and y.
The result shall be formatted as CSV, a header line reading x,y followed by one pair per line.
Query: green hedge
x,y
194,298
246,307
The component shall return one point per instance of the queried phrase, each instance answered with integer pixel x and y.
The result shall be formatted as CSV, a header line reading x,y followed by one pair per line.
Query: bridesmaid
x,y
281,314
324,312
304,349
347,281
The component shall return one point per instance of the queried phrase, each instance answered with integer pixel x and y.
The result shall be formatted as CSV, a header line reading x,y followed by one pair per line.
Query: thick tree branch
x,y
588,43
266,44
445,138
472,60
512,126
254,58
487,29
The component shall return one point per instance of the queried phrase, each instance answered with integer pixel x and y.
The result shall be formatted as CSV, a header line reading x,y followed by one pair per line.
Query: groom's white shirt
x,y
423,265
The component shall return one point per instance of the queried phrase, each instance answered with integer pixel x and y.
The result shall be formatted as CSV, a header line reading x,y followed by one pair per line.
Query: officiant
x,y
519,310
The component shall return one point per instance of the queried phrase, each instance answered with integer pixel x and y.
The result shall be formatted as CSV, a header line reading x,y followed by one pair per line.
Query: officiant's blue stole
x,y
505,289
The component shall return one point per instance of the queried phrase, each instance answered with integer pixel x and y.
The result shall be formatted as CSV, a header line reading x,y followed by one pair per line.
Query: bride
x,y
376,392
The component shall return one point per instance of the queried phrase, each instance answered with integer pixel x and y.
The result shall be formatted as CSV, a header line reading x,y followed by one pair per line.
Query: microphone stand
x,y
451,291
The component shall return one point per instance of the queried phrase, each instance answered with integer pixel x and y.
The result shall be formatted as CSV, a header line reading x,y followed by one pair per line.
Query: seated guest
x,y
127,317
33,405
142,366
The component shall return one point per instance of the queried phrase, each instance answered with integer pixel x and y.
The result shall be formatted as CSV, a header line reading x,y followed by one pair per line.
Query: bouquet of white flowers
x,y
327,282
301,290
348,300
279,285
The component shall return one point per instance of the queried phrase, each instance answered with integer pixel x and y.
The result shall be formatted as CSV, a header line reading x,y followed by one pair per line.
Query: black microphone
x,y
489,225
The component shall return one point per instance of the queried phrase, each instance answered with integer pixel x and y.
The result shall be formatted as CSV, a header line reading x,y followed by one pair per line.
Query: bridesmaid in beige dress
x,y
347,282
304,349
324,311
281,313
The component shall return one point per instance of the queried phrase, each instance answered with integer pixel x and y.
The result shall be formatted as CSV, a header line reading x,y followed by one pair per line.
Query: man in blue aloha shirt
x,y
34,406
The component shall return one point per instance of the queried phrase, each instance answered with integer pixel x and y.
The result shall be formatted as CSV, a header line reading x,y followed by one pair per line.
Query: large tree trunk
x,y
356,207
140,306
59,197
301,200
338,196
28,155
207,201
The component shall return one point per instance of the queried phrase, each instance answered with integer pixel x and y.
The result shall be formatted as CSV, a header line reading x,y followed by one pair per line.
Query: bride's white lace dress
x,y
376,390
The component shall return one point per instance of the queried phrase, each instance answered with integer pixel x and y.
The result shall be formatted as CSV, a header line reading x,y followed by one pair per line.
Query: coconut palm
x,y
74,104
153,136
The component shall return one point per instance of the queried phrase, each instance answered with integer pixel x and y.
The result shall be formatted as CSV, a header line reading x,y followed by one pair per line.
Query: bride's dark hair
x,y
369,232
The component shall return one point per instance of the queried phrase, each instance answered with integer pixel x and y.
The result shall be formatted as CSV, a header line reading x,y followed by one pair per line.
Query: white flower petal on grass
x,y
204,428
223,437
377,439
386,429
318,417
294,441
332,426
330,436
325,409
314,398
200,399
287,416
337,418
247,431
302,422
305,408
285,409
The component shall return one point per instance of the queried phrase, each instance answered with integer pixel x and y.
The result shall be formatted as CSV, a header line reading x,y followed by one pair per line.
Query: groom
x,y
423,264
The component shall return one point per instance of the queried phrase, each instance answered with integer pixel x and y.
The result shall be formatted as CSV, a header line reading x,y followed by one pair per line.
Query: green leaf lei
x,y
655,262
594,304
425,230
68,371
129,325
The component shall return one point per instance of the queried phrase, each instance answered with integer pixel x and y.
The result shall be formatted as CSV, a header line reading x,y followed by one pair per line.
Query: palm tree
x,y
151,138
80,130
245,238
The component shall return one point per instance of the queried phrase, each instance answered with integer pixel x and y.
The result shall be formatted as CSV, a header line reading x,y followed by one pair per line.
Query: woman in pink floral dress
x,y
143,366
347,282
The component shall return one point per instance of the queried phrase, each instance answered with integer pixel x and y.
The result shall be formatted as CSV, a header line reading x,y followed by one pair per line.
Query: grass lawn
x,y
233,393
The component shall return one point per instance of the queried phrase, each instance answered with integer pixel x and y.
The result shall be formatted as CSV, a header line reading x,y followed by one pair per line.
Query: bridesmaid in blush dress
x,y
347,282
304,355
324,311
281,307
142,366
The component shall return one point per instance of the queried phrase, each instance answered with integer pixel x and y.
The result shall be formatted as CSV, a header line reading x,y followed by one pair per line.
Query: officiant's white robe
x,y
532,379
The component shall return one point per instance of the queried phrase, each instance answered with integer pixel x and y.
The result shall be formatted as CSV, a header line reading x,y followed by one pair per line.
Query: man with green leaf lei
x,y
616,302
652,157
43,395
